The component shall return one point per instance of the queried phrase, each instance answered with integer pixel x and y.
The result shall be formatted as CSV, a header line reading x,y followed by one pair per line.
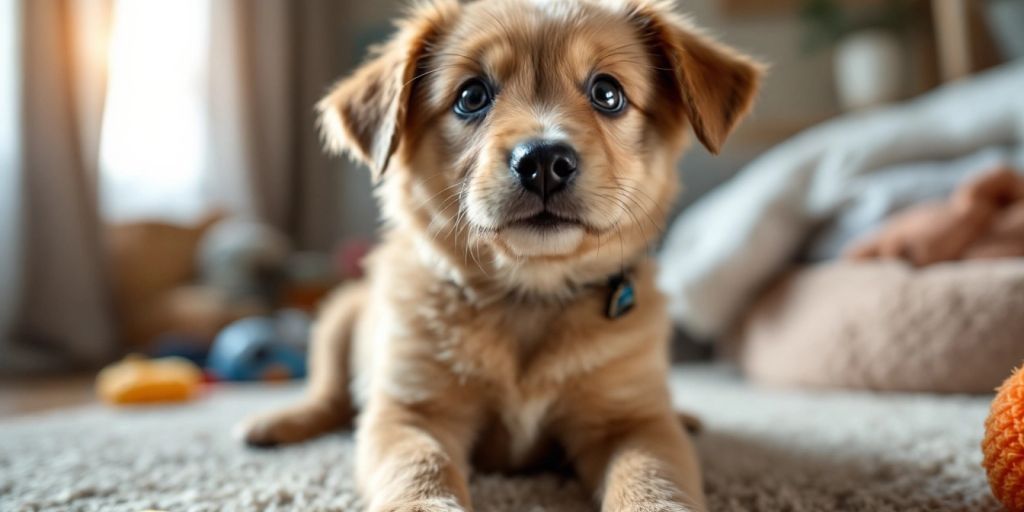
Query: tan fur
x,y
473,345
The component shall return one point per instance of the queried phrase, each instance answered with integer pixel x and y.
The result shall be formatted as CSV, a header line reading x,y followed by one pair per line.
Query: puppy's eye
x,y
474,99
606,95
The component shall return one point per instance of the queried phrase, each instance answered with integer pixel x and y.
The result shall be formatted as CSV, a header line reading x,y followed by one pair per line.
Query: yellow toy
x,y
136,380
1004,444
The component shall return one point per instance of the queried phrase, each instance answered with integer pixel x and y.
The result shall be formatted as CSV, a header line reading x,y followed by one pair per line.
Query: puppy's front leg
x,y
637,463
414,458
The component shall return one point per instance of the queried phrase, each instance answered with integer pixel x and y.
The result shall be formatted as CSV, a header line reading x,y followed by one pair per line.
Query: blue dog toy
x,y
261,348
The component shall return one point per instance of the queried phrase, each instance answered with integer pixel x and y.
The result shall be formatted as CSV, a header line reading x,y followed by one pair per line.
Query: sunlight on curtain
x,y
9,60
10,185
154,153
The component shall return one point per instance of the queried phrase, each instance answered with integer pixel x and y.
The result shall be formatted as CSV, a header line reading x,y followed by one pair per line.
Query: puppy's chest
x,y
517,432
497,343
505,353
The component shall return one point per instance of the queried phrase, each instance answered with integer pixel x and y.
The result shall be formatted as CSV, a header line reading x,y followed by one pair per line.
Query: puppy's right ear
x,y
364,114
714,84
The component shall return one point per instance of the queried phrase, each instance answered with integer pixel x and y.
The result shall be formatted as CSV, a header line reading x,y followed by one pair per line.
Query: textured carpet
x,y
763,450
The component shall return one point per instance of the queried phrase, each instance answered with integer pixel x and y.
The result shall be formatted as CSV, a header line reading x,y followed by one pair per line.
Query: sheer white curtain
x,y
154,156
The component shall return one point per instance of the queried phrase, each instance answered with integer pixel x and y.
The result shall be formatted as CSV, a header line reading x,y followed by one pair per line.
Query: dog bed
x,y
954,328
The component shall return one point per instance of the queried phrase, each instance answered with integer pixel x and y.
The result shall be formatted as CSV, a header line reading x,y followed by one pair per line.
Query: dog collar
x,y
622,297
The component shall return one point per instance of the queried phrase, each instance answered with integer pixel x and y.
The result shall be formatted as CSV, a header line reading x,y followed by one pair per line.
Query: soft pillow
x,y
952,328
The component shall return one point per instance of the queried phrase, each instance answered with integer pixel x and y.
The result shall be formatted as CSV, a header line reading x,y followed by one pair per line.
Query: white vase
x,y
869,69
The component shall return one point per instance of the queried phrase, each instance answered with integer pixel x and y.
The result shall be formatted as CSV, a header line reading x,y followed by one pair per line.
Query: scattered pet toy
x,y
244,259
1004,444
136,380
262,348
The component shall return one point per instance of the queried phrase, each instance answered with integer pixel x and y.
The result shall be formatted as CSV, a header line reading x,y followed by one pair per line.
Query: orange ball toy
x,y
1004,444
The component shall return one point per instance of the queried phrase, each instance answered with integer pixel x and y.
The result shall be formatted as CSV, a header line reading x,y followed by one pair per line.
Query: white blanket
x,y
724,248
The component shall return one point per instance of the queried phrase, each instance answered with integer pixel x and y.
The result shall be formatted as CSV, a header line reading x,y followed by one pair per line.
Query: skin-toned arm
x,y
944,231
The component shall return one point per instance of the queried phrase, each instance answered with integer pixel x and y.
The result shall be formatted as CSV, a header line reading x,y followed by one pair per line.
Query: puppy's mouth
x,y
545,233
546,221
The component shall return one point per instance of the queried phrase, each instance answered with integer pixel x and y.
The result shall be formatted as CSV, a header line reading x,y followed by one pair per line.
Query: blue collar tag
x,y
623,297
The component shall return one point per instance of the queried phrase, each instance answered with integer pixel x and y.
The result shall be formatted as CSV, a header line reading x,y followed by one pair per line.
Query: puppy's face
x,y
546,114
538,131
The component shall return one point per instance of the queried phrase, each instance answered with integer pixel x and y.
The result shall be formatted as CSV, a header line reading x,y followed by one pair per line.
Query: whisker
x,y
431,198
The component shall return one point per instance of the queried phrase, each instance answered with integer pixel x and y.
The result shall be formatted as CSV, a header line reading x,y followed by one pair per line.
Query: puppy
x,y
524,154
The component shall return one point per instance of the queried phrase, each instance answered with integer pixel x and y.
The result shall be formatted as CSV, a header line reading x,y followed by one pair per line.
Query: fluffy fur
x,y
477,341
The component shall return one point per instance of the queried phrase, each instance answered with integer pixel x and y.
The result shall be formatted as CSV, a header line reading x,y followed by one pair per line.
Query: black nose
x,y
543,167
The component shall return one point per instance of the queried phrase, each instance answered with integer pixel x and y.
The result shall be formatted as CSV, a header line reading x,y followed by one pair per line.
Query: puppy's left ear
x,y
715,84
364,114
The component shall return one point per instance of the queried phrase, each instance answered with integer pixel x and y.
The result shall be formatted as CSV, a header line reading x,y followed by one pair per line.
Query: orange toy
x,y
1004,444
135,380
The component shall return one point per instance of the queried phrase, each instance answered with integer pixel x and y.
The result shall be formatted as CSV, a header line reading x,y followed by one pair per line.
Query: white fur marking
x,y
550,122
523,423
548,242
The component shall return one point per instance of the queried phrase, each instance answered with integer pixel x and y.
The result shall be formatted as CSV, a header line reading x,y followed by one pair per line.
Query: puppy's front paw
x,y
424,505
658,506
653,499
290,425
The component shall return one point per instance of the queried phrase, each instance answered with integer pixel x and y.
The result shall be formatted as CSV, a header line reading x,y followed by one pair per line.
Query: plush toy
x,y
244,258
1004,444
983,219
262,348
136,380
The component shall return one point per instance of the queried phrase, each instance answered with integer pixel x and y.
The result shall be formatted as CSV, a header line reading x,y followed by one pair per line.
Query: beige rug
x,y
763,451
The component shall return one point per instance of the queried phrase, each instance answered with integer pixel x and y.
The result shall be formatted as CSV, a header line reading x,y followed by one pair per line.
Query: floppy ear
x,y
364,114
715,83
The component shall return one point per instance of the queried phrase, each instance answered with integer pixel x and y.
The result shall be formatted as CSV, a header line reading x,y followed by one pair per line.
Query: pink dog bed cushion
x,y
952,328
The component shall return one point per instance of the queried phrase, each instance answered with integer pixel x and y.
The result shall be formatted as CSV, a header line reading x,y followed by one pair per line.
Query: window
x,y
153,152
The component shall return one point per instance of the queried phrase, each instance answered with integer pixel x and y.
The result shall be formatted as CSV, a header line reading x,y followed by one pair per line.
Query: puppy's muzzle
x,y
543,167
